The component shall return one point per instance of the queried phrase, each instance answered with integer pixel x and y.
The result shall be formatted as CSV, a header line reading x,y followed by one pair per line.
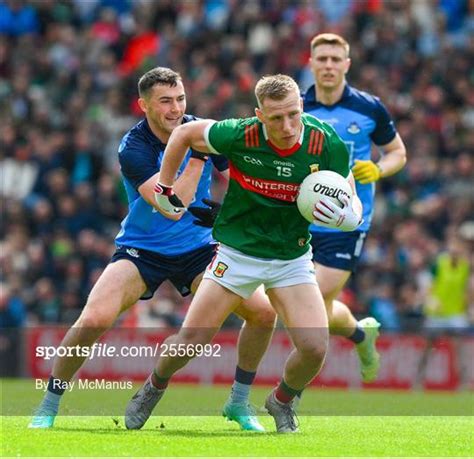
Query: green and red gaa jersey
x,y
259,216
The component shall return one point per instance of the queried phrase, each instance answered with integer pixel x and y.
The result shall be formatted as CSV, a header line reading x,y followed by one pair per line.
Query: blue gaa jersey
x,y
359,119
140,156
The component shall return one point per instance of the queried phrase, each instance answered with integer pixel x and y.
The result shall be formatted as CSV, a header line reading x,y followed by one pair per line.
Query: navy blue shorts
x,y
338,250
155,268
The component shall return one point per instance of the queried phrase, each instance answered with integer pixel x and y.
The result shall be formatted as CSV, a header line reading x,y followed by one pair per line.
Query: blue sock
x,y
241,387
52,397
240,393
50,403
358,336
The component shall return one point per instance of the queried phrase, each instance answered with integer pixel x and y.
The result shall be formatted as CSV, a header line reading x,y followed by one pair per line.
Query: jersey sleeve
x,y
220,136
335,157
219,162
384,131
136,161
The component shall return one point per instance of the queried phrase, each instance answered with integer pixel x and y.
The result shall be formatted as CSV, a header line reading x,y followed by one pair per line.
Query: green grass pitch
x,y
323,435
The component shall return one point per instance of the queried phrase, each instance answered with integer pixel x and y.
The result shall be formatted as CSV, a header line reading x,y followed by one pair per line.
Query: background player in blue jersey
x,y
361,120
152,248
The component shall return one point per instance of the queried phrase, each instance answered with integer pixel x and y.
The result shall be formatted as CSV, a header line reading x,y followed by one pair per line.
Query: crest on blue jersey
x,y
133,253
353,128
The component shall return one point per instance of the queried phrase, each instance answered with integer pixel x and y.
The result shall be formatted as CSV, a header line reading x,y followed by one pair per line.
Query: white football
x,y
318,185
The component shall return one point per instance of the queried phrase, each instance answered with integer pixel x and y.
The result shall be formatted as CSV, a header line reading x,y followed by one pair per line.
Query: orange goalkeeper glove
x,y
366,171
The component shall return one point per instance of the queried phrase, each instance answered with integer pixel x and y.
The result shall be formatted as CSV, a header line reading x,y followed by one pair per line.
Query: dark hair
x,y
158,75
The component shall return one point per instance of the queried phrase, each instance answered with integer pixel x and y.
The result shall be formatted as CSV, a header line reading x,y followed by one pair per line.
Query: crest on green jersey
x,y
314,168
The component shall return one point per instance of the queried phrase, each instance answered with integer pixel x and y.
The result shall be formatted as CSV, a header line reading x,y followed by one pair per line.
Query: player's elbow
x,y
403,161
400,152
182,133
402,156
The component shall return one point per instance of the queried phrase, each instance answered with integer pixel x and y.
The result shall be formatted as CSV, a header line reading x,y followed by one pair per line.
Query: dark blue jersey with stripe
x,y
140,155
360,119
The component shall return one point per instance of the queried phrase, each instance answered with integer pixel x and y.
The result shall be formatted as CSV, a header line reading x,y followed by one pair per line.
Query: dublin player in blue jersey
x,y
152,248
361,120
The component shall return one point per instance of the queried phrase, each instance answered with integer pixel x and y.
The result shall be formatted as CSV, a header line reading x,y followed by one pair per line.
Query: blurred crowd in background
x,y
68,76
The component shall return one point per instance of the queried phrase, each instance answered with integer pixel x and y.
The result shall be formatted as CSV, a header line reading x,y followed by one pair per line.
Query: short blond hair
x,y
275,87
329,39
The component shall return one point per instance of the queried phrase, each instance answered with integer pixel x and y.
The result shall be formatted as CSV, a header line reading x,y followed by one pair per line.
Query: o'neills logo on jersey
x,y
283,191
329,191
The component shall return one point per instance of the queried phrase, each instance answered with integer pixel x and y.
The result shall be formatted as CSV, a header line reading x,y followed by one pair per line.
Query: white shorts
x,y
243,274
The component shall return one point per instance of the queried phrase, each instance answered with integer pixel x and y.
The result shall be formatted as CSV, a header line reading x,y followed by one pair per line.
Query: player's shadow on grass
x,y
201,433
168,432
211,433
101,431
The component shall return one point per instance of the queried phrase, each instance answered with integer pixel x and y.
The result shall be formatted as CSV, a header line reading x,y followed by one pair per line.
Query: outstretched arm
x,y
189,135
185,186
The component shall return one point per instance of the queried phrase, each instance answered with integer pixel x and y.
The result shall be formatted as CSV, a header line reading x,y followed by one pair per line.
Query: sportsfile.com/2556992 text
x,y
105,350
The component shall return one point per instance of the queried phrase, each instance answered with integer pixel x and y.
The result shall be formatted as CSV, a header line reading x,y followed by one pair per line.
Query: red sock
x,y
284,393
159,383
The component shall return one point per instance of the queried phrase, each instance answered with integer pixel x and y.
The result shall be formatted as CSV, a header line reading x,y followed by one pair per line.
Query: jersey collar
x,y
152,137
280,151
309,98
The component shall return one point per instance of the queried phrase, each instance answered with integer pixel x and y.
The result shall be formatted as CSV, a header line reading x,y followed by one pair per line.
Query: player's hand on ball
x,y
167,201
330,215
366,171
206,216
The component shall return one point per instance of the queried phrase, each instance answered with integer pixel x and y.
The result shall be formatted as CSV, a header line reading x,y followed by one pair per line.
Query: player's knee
x,y
315,353
315,350
263,318
195,336
99,322
96,318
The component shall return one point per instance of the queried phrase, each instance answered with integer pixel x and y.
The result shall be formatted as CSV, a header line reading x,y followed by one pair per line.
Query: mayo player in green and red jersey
x,y
263,238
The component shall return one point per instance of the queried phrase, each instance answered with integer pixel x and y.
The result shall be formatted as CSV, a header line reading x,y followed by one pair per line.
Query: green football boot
x,y
42,419
367,351
244,415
